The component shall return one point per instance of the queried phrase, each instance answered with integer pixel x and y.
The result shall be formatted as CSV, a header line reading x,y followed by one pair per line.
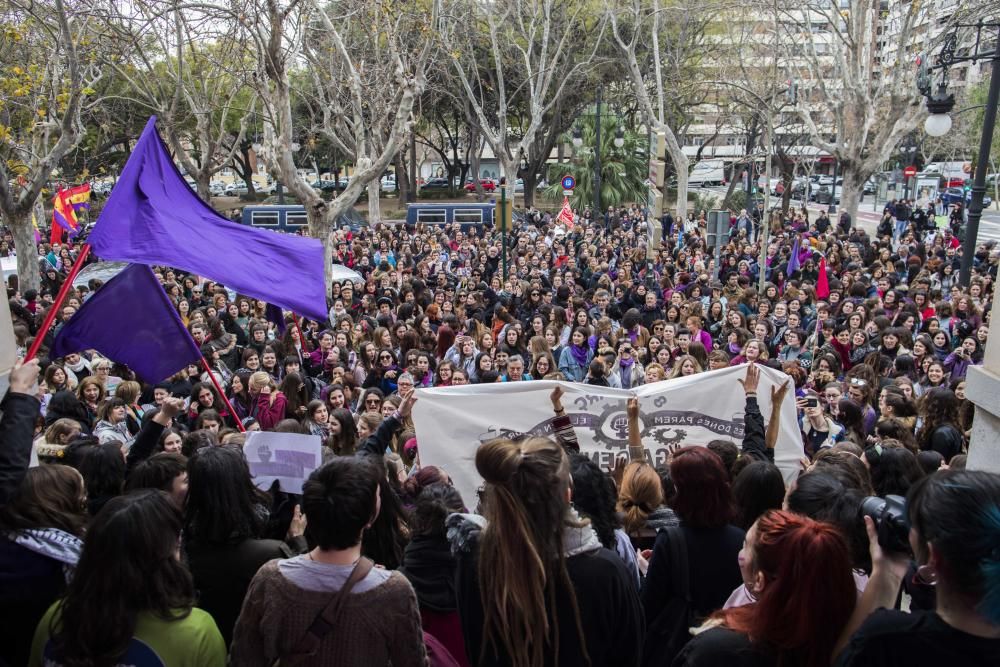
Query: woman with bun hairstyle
x,y
799,571
535,586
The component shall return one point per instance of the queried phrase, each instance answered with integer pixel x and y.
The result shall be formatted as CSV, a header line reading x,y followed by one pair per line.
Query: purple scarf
x,y
580,354
626,375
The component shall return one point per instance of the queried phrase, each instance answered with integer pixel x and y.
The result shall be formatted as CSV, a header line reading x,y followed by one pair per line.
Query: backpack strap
x,y
327,619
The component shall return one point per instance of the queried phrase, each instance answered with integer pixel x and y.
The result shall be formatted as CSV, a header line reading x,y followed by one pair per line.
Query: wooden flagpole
x,y
63,291
222,394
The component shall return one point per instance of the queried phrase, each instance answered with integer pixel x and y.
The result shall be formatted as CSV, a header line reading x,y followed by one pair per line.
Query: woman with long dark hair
x,y
225,520
131,600
940,431
535,586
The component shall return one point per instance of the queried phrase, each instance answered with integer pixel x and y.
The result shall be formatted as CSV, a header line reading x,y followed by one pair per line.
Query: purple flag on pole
x,y
130,320
793,262
153,217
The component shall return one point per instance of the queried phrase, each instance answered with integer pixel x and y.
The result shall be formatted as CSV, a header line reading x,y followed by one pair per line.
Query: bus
x,y
467,215
291,218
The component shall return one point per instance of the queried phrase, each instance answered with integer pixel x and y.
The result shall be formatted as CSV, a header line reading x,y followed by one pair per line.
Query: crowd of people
x,y
133,531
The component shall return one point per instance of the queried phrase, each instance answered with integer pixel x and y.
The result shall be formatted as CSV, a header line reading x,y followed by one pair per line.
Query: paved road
x,y
989,225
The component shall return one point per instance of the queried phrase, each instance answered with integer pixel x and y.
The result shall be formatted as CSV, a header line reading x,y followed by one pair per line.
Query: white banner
x,y
451,422
288,458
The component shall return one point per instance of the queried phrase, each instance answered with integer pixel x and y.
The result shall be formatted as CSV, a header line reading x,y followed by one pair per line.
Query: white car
x,y
236,189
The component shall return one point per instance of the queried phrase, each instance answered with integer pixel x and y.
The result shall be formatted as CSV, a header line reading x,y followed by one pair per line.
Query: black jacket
x,y
714,571
222,575
430,566
17,428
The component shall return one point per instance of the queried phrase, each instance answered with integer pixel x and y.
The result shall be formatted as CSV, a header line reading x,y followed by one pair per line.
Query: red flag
x,y
822,286
566,214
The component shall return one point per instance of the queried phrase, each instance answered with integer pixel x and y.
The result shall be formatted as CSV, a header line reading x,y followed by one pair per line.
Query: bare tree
x,y
671,35
46,81
854,62
514,61
371,101
188,67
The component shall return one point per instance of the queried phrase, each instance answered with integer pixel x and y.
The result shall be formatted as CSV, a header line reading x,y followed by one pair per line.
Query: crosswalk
x,y
989,230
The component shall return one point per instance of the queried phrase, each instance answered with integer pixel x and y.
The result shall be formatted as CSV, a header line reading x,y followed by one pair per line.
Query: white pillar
x,y
982,387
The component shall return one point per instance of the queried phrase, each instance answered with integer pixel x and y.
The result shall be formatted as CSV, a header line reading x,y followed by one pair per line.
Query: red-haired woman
x,y
799,611
708,540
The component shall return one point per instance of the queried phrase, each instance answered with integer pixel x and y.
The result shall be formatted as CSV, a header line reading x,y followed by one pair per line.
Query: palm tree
x,y
623,170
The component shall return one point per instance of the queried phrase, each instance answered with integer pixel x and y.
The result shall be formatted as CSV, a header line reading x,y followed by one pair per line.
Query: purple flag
x,y
273,313
153,217
130,320
793,263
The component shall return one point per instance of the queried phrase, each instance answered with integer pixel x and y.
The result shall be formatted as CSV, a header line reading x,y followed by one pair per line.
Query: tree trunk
x,y
203,178
850,196
247,171
374,204
28,276
474,158
402,177
510,187
680,164
530,183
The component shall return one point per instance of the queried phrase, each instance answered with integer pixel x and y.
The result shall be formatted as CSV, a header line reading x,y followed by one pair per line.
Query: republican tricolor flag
x,y
64,207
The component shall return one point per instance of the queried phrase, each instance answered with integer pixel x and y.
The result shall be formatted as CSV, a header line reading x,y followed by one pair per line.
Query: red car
x,y
489,185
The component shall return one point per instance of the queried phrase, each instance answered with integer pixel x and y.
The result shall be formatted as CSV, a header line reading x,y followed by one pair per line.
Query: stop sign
x,y
910,171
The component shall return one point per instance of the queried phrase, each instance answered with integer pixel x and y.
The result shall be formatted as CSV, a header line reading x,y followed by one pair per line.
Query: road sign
x,y
910,171
568,182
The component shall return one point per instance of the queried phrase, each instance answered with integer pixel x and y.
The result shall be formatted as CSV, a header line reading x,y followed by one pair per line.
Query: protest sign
x,y
288,458
451,422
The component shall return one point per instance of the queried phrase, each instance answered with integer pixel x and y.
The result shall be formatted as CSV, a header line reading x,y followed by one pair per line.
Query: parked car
x,y
827,194
324,185
236,189
101,189
388,183
959,196
489,185
217,188
436,184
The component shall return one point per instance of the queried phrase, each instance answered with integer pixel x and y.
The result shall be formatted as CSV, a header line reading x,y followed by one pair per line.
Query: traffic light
x,y
923,72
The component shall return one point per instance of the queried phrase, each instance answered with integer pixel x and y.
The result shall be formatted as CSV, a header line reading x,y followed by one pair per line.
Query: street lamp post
x,y
597,155
940,102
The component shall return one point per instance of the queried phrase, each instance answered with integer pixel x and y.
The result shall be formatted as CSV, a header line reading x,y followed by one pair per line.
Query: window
x,y
466,216
296,220
264,219
432,216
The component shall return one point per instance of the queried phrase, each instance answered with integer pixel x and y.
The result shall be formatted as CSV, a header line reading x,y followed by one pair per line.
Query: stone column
x,y
982,387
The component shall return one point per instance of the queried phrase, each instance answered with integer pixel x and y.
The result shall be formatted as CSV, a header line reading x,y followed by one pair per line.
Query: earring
x,y
927,575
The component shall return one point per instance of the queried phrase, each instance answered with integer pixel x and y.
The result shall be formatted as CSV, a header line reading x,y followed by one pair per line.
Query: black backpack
x,y
670,631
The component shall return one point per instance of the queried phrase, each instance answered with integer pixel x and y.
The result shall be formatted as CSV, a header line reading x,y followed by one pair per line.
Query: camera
x,y
812,402
891,522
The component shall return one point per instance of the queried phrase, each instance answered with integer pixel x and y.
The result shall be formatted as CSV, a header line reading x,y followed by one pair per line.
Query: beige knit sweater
x,y
376,628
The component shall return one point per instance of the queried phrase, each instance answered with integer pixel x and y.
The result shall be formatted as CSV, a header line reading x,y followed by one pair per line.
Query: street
x,y
870,213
